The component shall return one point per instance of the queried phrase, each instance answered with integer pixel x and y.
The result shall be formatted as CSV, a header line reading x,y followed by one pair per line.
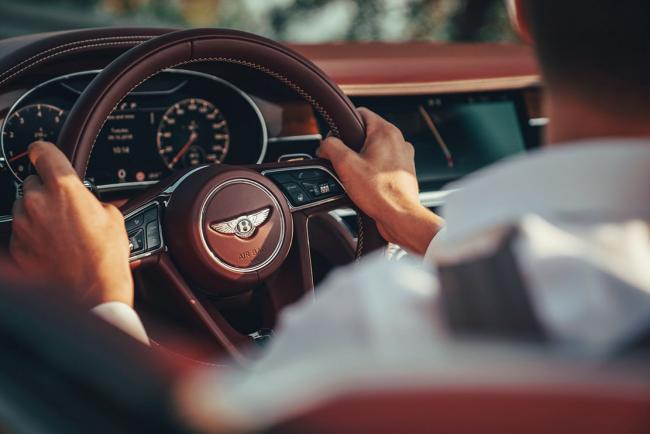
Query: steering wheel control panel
x,y
306,186
143,228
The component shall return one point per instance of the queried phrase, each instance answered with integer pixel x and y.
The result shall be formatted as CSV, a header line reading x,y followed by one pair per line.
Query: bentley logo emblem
x,y
243,226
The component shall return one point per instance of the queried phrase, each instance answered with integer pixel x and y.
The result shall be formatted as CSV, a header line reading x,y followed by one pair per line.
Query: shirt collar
x,y
592,178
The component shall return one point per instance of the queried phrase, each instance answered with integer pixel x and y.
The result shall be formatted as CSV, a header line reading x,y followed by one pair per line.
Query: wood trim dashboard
x,y
440,87
376,69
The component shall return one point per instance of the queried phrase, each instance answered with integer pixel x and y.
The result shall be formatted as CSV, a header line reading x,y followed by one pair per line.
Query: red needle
x,y
184,149
21,155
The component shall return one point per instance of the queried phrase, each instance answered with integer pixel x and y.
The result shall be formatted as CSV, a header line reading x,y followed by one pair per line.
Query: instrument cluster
x,y
174,120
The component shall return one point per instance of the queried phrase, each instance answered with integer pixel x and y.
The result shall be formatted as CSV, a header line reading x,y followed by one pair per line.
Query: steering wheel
x,y
217,231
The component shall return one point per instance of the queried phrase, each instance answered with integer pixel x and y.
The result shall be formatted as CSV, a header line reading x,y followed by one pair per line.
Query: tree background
x,y
288,20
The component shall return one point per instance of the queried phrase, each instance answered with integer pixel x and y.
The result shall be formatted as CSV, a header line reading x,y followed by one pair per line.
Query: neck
x,y
572,119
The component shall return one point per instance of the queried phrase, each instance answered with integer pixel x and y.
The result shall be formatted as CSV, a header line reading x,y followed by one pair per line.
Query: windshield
x,y
298,21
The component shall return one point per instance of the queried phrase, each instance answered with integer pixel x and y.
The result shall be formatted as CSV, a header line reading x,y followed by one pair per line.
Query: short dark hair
x,y
598,49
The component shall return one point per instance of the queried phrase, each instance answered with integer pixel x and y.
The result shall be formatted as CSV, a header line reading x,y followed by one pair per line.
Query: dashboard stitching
x,y
82,42
106,44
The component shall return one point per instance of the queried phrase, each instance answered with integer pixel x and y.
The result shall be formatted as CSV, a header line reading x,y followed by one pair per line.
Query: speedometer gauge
x,y
27,125
192,132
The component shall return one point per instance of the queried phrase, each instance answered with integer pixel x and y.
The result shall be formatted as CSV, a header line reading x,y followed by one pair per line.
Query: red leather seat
x,y
593,409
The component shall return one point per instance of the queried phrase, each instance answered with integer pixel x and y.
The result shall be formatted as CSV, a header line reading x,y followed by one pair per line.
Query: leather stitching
x,y
127,42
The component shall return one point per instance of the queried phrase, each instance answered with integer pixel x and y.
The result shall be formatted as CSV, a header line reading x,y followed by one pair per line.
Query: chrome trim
x,y
6,218
237,90
288,157
143,93
162,241
423,88
538,122
124,186
295,138
174,186
278,208
313,204
430,199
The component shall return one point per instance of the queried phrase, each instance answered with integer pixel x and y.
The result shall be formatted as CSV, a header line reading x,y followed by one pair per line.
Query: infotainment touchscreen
x,y
454,135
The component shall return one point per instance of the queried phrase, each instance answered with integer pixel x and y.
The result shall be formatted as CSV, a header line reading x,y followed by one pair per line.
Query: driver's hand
x,y
381,181
63,234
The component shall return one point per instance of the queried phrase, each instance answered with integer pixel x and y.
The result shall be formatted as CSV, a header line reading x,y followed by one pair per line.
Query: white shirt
x,y
583,248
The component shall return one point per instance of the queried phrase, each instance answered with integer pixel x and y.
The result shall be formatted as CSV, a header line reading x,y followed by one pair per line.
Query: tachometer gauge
x,y
192,132
29,124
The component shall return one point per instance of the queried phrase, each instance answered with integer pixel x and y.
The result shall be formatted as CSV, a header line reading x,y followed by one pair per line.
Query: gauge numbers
x,y
29,124
192,132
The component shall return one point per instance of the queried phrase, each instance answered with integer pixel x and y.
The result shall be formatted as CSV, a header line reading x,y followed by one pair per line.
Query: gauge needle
x,y
434,130
184,149
16,157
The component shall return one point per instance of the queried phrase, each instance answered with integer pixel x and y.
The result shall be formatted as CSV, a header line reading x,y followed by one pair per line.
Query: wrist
x,y
112,290
416,227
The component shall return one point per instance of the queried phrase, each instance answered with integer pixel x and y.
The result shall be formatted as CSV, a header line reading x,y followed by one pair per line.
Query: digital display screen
x,y
455,136
119,156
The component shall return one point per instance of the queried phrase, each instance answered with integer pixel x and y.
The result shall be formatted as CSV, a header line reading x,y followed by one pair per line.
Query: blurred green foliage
x,y
288,20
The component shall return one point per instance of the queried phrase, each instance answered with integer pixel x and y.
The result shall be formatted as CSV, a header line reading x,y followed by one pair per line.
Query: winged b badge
x,y
243,226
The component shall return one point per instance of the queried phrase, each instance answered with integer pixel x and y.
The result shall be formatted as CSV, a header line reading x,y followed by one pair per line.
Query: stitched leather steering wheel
x,y
217,231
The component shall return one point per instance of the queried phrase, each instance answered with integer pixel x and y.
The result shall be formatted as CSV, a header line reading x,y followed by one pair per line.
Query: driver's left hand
x,y
64,235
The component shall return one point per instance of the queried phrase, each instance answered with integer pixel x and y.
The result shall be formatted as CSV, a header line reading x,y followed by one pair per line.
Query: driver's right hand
x,y
381,181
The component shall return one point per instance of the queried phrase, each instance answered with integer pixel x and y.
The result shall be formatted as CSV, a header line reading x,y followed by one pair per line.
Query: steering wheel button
x,y
296,194
153,235
309,174
137,242
334,187
134,222
151,215
281,177
324,188
312,188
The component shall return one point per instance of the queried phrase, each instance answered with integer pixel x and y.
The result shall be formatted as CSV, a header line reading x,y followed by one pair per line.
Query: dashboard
x,y
183,118
175,120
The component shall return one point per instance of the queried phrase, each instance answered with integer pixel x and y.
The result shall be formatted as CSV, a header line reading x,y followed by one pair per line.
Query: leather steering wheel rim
x,y
118,79
89,114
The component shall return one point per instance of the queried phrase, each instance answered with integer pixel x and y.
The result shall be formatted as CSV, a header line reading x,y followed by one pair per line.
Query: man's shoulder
x,y
592,178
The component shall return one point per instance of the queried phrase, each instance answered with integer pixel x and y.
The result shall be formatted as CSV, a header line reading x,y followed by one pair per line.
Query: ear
x,y
516,8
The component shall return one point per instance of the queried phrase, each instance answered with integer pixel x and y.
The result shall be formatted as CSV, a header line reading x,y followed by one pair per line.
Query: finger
x,y
18,210
20,224
333,149
50,163
17,251
32,182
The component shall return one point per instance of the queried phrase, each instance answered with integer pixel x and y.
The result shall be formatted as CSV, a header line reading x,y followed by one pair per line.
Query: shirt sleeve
x,y
124,318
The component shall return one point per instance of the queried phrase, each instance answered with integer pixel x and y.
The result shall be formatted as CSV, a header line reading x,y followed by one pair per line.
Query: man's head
x,y
595,50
